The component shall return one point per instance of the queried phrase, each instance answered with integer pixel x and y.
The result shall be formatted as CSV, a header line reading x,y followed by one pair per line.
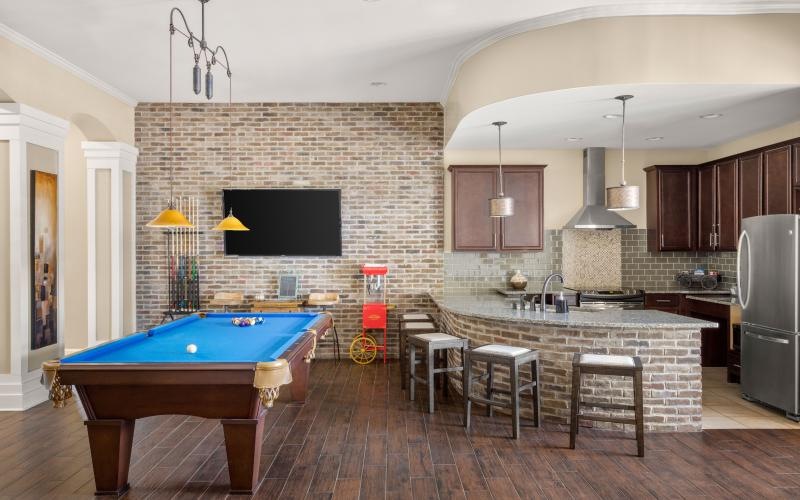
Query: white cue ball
x,y
191,348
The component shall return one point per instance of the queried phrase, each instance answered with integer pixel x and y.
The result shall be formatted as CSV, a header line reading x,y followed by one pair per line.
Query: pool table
x,y
153,373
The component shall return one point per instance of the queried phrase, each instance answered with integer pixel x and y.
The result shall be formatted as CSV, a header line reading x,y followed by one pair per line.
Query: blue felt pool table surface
x,y
217,340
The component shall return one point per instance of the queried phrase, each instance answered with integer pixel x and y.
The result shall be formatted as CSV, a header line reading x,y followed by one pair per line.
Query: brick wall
x,y
671,380
386,159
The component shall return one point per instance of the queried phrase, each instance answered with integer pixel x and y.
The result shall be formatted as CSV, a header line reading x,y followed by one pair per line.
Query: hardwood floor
x,y
357,437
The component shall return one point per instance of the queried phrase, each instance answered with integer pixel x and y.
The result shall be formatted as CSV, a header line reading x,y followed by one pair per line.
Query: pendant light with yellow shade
x,y
170,217
230,223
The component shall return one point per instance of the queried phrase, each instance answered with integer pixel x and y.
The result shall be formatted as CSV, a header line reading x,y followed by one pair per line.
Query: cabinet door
x,y
796,164
750,186
473,229
727,212
777,181
524,229
676,208
706,207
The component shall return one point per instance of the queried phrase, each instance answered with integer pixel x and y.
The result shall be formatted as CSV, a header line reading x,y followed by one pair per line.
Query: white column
x,y
111,214
24,127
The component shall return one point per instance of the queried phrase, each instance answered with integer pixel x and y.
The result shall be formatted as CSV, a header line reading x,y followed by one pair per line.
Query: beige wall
x,y
5,259
94,115
765,138
638,49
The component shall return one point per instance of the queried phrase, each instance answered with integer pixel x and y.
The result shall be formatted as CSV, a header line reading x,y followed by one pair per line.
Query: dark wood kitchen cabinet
x,y
474,230
778,180
671,208
751,177
717,213
706,213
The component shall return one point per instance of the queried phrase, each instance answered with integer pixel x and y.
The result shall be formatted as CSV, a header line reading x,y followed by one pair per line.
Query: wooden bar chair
x,y
513,358
429,344
602,364
324,301
405,329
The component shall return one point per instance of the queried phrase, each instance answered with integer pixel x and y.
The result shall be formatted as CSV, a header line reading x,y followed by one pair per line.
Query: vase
x,y
518,281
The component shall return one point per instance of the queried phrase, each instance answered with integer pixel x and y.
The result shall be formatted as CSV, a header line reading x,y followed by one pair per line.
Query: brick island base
x,y
672,378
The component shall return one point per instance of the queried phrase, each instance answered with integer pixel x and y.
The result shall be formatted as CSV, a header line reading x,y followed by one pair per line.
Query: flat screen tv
x,y
291,222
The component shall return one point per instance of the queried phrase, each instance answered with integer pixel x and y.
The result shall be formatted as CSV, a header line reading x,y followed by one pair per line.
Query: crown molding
x,y
580,14
53,58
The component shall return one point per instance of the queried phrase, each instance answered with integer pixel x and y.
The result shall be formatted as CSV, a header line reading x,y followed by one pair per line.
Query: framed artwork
x,y
44,254
287,287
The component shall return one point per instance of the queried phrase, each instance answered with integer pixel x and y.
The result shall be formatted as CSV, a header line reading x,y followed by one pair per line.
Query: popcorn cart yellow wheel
x,y
363,349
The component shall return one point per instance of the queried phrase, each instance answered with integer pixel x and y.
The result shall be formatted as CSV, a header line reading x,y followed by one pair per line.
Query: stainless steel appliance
x,y
628,298
767,274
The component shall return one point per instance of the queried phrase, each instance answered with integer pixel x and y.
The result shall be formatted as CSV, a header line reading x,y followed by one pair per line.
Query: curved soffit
x,y
693,49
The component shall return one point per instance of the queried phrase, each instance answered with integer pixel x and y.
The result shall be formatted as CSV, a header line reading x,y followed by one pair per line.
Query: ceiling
x,y
306,50
547,120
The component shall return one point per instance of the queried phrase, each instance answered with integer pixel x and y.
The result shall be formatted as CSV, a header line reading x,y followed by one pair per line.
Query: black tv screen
x,y
295,222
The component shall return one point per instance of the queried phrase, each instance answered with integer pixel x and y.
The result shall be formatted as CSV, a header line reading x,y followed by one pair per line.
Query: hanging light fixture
x,y
200,48
501,206
622,197
230,223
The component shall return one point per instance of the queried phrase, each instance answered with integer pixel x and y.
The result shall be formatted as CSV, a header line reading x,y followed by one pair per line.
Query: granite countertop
x,y
494,307
726,301
688,291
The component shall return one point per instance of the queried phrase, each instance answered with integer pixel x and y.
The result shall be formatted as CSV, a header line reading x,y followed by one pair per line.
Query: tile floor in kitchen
x,y
724,408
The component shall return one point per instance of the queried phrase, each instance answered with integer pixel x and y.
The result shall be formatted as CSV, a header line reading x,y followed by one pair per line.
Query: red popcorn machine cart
x,y
364,347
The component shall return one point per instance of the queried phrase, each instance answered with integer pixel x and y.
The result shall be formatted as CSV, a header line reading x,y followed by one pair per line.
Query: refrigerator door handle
x,y
746,298
768,339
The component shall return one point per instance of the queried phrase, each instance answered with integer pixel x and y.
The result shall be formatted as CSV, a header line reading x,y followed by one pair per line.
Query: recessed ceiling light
x,y
378,84
574,139
371,1
612,116
711,116
656,138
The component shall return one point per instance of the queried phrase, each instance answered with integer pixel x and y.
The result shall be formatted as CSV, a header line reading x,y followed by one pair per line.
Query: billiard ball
x,y
191,348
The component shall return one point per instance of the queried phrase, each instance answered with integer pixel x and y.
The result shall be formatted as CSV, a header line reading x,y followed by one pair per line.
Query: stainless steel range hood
x,y
593,214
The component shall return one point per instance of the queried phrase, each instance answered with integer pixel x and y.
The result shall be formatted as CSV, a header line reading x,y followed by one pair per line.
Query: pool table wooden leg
x,y
299,386
243,446
110,443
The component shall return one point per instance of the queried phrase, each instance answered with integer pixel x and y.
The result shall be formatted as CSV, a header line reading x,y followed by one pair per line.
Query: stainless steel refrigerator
x,y
767,274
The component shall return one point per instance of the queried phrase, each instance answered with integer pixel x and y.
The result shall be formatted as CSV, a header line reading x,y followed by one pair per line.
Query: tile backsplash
x,y
588,256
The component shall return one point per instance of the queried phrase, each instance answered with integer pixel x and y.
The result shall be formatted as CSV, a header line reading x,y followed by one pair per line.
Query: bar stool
x,y
324,301
405,329
430,344
602,364
513,358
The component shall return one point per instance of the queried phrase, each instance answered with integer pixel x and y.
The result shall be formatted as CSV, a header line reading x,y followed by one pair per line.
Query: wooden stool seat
x,y
512,357
430,344
604,364
407,328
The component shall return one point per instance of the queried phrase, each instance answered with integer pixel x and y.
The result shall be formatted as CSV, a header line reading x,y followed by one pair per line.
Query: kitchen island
x,y
668,344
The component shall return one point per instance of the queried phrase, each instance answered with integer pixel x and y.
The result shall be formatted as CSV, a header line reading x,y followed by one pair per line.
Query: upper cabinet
x,y
778,180
474,230
671,208
718,195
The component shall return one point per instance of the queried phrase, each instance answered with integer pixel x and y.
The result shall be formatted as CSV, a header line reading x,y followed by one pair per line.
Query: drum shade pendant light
x,y
230,223
501,206
622,197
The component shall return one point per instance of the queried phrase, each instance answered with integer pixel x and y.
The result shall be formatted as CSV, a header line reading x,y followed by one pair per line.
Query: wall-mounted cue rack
x,y
183,261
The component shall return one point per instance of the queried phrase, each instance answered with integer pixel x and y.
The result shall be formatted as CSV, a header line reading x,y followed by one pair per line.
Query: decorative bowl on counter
x,y
518,281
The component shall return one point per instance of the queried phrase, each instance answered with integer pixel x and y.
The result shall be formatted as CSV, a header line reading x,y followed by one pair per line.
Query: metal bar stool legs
x,y
597,364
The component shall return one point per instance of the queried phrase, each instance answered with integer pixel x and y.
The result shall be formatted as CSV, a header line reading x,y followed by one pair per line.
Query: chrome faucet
x,y
546,284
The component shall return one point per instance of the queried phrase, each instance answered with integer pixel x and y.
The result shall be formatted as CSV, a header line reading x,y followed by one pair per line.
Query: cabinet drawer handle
x,y
662,240
664,301
711,240
768,339
494,240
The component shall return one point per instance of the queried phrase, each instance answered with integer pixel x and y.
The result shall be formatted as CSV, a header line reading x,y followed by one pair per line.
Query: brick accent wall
x,y
386,159
671,381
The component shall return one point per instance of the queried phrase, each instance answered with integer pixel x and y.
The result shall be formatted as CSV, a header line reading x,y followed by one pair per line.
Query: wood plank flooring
x,y
358,437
